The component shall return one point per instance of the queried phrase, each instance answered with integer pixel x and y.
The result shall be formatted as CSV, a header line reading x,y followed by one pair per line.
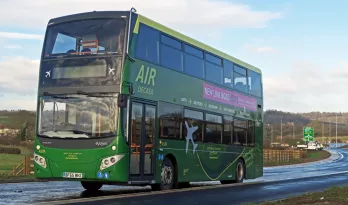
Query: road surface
x,y
31,193
235,195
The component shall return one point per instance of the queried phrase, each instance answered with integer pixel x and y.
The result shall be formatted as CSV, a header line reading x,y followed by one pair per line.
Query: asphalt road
x,y
223,195
32,193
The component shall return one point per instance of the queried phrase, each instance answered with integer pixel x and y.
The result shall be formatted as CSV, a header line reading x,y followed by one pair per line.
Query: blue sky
x,y
299,45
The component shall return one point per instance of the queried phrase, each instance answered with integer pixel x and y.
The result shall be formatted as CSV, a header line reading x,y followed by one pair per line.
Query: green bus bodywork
x,y
153,84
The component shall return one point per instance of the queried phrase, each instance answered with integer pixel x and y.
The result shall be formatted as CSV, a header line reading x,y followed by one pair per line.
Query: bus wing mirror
x,y
130,87
122,100
131,91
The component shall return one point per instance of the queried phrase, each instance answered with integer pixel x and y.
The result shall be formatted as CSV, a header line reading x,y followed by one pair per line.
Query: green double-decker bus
x,y
125,100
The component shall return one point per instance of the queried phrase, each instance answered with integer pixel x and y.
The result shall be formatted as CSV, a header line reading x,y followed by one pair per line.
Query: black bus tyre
x,y
167,176
240,171
91,186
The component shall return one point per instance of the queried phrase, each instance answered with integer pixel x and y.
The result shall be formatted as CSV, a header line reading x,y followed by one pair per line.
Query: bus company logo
x,y
146,76
146,79
190,131
101,143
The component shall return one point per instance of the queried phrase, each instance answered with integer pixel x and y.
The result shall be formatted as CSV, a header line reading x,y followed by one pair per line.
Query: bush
x,y
10,150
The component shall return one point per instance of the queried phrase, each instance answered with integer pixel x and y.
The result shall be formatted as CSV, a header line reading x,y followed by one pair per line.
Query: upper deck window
x,y
148,44
99,36
240,79
254,80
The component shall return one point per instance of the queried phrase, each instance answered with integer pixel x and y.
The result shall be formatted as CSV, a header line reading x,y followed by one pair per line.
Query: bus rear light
x,y
40,160
109,161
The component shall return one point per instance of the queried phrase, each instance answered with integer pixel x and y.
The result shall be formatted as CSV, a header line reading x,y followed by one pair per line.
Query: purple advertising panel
x,y
228,97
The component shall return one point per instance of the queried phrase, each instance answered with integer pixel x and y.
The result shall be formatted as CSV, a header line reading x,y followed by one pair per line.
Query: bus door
x,y
142,134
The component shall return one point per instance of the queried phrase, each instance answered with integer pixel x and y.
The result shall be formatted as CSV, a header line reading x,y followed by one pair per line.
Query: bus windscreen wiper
x,y
96,94
54,95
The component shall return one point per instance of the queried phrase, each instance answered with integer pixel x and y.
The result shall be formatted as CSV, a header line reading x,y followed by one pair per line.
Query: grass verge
x,y
331,196
7,161
311,157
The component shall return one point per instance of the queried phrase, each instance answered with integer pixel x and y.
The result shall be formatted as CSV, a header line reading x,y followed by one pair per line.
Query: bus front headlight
x,y
40,160
110,161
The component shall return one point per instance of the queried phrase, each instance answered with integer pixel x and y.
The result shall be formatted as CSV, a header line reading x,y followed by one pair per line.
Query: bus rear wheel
x,y
91,186
239,174
240,171
167,176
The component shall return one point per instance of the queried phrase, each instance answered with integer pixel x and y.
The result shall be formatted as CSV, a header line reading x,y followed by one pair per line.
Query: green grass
x,y
331,196
311,157
7,161
332,138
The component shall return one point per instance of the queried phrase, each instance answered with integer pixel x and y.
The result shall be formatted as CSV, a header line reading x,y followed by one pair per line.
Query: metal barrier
x,y
273,155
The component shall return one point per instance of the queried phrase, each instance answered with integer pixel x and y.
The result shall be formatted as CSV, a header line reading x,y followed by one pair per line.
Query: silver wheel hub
x,y
167,175
240,171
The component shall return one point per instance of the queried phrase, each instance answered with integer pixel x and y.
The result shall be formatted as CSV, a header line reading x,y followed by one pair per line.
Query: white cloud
x,y
187,14
15,46
204,18
14,35
307,88
261,49
18,75
10,104
342,72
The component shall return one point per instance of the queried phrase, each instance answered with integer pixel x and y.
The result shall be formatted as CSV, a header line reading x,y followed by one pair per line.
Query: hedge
x,y
10,150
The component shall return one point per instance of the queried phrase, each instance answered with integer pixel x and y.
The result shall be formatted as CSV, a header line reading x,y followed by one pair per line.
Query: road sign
x,y
308,134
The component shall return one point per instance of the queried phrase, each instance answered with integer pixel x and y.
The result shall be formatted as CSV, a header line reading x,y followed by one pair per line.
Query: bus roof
x,y
160,27
89,15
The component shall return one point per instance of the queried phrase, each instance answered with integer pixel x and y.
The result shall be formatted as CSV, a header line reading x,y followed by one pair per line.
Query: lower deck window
x,y
213,133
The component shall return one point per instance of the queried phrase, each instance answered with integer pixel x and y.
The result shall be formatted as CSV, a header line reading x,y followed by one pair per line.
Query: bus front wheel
x,y
91,186
167,176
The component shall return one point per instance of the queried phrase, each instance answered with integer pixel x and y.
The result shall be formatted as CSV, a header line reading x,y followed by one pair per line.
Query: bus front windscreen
x,y
78,116
87,37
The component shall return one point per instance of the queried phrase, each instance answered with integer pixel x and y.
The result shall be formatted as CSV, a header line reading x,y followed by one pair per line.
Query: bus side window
x,y
213,128
254,83
228,130
147,45
170,117
240,132
240,78
251,133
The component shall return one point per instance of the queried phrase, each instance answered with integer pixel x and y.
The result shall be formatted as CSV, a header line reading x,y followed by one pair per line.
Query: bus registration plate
x,y
72,175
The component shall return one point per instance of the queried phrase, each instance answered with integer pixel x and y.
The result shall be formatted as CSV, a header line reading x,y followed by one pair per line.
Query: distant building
x,y
8,132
